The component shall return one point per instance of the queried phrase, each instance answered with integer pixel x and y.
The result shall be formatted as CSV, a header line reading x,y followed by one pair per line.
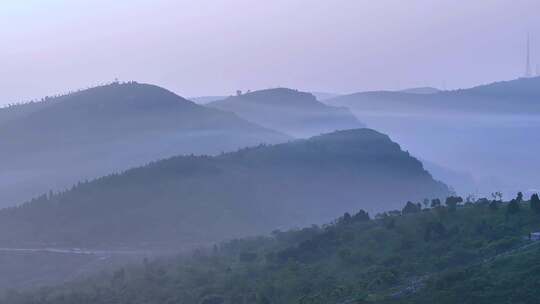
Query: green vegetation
x,y
189,200
471,254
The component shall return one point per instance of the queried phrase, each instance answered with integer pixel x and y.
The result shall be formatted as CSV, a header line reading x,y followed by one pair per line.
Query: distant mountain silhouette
x,y
321,96
520,96
421,90
469,130
190,199
57,142
289,111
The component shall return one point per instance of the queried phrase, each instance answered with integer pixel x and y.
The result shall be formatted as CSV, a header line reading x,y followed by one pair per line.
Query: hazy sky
x,y
213,47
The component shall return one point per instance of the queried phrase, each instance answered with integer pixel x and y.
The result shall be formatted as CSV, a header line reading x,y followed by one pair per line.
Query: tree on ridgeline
x,y
346,218
361,216
519,197
535,203
452,202
497,196
435,203
411,208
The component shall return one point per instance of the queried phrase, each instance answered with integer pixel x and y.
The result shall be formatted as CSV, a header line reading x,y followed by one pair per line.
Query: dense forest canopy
x,y
186,200
472,251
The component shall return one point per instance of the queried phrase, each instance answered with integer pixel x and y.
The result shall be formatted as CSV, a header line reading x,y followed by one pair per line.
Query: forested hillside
x,y
54,143
452,252
186,200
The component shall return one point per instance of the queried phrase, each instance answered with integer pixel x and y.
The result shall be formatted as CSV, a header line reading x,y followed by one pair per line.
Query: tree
x,y
535,203
497,196
519,197
471,199
426,203
452,202
435,203
361,216
513,207
346,218
411,208
482,201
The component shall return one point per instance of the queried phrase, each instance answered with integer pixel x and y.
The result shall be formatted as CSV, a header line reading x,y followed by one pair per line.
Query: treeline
x,y
453,202
30,103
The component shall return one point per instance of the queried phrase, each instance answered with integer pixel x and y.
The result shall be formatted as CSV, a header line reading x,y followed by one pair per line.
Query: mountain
x,y
518,96
59,141
468,130
191,199
477,252
289,111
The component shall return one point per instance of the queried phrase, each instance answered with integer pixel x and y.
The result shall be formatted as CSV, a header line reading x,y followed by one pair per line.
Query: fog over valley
x,y
278,152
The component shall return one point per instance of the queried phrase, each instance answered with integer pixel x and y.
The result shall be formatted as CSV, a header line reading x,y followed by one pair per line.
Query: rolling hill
x,y
186,200
59,141
289,111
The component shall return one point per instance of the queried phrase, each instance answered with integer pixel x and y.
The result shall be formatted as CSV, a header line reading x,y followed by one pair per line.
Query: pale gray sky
x,y
213,47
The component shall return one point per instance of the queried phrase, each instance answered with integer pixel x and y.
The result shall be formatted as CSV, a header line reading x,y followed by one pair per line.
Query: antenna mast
x,y
528,72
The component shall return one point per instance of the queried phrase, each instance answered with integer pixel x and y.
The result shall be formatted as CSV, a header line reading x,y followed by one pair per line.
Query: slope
x,y
474,253
54,143
191,199
468,130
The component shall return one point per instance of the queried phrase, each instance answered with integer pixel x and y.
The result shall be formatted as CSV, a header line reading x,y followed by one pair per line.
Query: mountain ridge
x,y
518,96
251,190
107,129
289,111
